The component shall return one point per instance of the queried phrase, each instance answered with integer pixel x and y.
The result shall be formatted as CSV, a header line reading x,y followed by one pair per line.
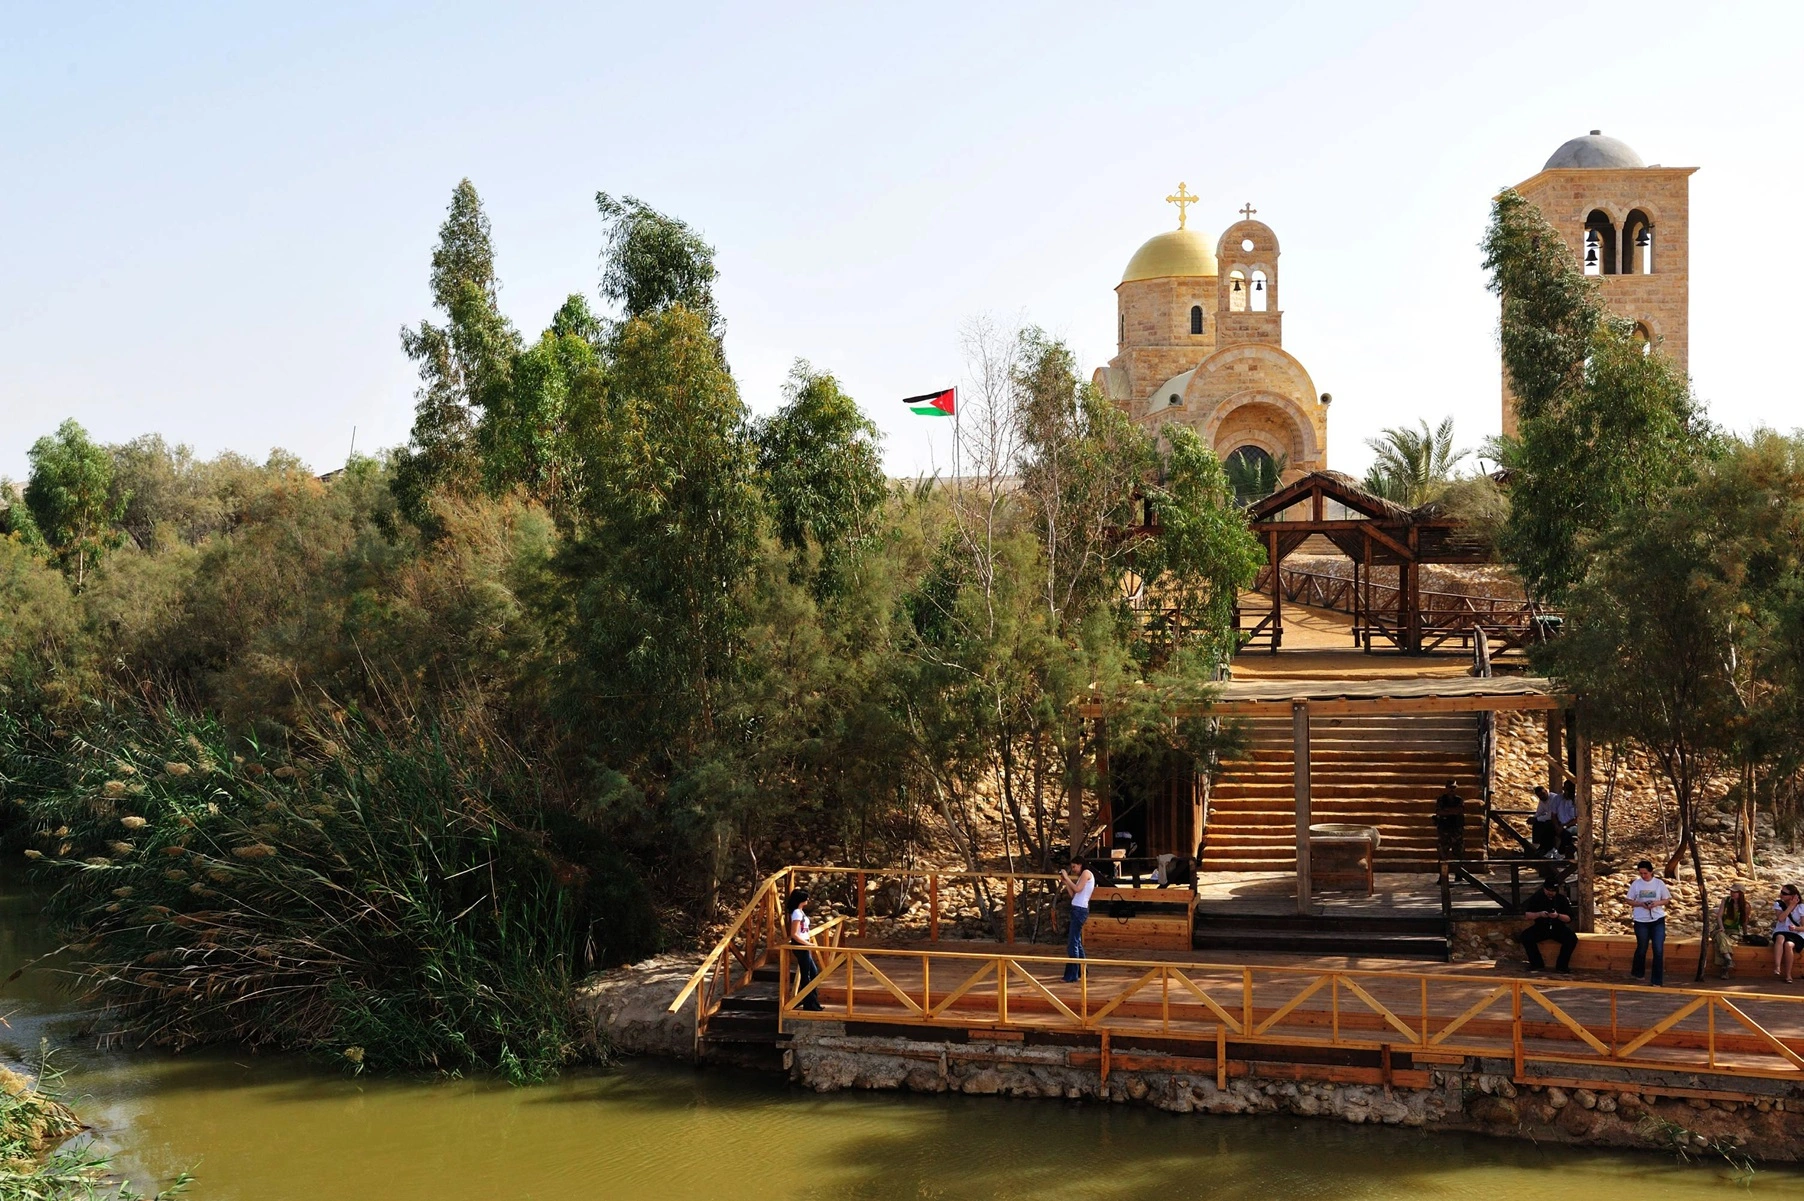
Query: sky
x,y
218,217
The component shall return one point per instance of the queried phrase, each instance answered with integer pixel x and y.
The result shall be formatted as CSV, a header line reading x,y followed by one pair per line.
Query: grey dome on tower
x,y
1594,151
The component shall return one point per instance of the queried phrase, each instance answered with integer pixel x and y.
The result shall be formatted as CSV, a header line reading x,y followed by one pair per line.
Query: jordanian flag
x,y
934,404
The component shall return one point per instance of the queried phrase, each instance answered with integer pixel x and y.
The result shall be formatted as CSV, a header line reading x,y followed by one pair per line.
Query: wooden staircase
x,y
743,1033
1382,771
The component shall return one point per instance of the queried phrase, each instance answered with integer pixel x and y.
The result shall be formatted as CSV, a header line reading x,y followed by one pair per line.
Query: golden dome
x,y
1174,252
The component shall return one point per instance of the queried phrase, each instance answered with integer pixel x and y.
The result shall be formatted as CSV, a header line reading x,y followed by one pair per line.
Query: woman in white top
x,y
1648,897
801,935
1788,931
1080,882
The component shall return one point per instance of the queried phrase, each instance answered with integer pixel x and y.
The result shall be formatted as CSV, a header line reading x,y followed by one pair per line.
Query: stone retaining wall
x,y
1468,1098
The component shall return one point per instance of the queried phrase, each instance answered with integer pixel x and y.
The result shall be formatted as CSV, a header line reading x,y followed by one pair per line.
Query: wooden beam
x,y
1299,716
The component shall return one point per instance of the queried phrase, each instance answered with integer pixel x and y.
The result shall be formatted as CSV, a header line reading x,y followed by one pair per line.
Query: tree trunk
x,y
1745,852
1697,869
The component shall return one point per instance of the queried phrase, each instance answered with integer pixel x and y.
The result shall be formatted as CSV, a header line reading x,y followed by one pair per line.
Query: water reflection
x,y
275,1129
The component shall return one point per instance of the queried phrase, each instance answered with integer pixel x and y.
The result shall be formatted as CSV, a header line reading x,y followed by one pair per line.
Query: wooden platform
x,y
1574,1029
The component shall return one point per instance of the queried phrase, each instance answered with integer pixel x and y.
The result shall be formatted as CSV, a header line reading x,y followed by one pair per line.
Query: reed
x,y
380,893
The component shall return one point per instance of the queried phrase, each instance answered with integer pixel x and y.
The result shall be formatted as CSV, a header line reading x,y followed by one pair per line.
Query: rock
x,y
1136,1089
983,1083
1697,1103
1577,1120
1495,1111
1557,1098
1606,1104
629,1006
1585,1097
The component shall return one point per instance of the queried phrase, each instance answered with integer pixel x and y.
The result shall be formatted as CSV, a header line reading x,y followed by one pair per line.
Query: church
x,y
1201,342
1200,336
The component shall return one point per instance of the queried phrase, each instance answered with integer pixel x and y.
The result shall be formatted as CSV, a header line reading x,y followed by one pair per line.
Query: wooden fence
x,y
1569,1026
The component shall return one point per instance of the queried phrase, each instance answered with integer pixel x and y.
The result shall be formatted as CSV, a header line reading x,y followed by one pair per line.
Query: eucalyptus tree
x,y
1604,426
70,496
464,364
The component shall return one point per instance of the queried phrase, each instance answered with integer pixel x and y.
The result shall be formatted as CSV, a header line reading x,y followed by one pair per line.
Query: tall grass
x,y
381,894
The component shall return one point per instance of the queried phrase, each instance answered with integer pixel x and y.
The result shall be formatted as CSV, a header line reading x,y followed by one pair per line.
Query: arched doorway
x,y
1252,472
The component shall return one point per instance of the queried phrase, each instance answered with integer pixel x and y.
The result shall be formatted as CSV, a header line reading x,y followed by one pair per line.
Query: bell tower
x,y
1629,225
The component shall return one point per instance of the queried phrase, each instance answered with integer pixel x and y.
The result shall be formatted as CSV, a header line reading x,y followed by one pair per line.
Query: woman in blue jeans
x,y
1648,897
1080,882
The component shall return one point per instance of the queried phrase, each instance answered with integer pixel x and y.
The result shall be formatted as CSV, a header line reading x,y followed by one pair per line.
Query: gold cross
x,y
1182,199
1247,212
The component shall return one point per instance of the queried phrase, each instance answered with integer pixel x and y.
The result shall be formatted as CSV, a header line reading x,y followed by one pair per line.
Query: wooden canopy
x,y
1373,532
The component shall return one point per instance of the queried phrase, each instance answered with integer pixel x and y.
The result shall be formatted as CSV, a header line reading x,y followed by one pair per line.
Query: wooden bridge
x,y
1326,1020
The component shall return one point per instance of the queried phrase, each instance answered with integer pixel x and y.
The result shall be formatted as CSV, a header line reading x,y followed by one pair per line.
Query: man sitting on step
x,y
1552,916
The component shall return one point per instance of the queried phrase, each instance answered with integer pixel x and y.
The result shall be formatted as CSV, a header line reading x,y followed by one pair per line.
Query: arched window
x,y
1645,336
1637,244
1257,301
1196,318
1237,292
1121,335
1600,244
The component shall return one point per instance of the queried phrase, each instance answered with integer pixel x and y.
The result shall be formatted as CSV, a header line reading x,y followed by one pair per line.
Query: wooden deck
x,y
1409,1013
1320,1016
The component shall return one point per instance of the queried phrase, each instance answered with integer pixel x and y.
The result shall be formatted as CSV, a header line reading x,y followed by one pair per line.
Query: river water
x,y
261,1128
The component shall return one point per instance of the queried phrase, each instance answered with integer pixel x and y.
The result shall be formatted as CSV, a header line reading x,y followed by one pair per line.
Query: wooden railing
x,y
1433,1017
751,939
1445,616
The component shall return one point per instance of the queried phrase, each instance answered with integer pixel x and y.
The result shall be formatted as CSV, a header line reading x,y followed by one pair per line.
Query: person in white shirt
x,y
1648,897
801,934
1554,811
1080,882
1788,931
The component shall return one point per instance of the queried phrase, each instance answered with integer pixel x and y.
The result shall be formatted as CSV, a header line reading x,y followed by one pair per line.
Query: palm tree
x,y
1253,474
1413,466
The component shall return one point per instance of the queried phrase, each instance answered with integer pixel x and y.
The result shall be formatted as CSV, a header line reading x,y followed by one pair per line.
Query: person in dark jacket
x,y
1450,823
1552,918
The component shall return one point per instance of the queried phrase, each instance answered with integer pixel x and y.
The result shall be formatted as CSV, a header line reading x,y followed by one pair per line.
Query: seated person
x,y
1174,869
1551,914
1554,811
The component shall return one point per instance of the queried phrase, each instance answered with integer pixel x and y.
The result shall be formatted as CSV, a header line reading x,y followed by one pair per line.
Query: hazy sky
x,y
216,218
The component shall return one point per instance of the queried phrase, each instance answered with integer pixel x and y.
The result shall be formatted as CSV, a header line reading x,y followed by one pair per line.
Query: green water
x,y
276,1129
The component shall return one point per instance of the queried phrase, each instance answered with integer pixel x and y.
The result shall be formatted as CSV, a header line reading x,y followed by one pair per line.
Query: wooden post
x,y
933,907
1358,614
1587,868
1411,579
1008,910
1367,535
1299,719
1277,596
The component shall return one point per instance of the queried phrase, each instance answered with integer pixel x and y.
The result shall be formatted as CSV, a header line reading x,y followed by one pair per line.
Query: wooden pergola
x,y
1374,533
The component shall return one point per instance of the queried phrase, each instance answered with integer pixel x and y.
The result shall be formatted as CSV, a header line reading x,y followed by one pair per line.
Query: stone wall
x,y
1475,1096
